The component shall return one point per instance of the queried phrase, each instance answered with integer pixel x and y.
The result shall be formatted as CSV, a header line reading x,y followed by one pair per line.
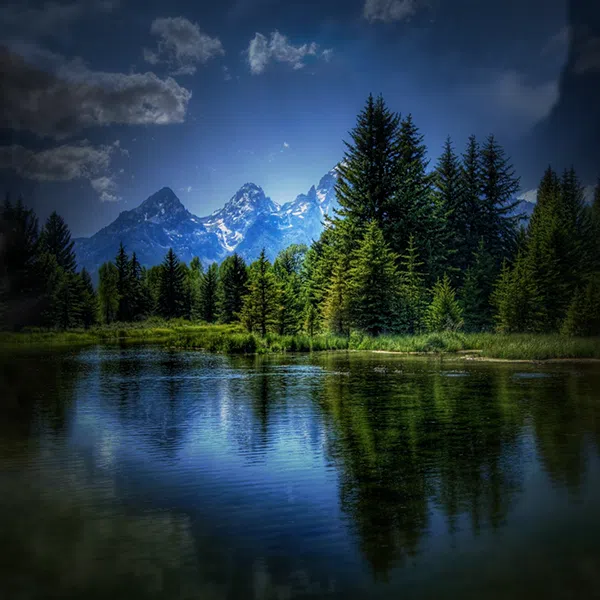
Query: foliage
x,y
444,313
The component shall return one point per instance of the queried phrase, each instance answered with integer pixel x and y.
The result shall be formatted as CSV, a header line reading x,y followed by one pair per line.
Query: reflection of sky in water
x,y
284,471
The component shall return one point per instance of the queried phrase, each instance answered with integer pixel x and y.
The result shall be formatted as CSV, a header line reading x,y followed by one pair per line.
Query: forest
x,y
409,250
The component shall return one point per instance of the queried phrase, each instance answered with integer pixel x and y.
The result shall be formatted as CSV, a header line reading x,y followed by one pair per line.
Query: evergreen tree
x,y
499,225
412,208
171,296
287,268
259,309
139,300
208,294
373,284
336,304
515,298
152,278
55,238
454,216
444,312
583,315
67,301
123,284
233,277
21,278
366,181
477,291
471,186
89,300
595,228
412,292
108,293
195,275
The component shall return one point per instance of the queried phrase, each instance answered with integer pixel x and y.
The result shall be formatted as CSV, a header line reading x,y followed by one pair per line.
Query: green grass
x,y
232,339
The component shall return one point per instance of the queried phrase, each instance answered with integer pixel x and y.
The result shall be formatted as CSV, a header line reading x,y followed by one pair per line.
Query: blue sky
x,y
111,100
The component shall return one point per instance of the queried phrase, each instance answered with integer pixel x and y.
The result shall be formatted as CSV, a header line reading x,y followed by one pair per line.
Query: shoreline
x,y
231,339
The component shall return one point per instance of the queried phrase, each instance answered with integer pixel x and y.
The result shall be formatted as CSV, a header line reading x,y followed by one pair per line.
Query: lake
x,y
144,473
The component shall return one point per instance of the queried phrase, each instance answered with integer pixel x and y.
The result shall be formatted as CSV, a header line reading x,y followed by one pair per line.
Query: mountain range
x,y
247,223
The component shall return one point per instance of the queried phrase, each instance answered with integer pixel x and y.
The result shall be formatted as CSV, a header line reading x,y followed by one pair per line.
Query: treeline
x,y
39,283
409,250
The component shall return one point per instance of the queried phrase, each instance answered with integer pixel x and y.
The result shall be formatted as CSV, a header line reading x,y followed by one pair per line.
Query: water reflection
x,y
265,477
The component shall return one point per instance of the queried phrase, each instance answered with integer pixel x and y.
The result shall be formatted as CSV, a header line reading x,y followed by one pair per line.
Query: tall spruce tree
x,y
123,284
195,275
108,293
259,310
474,213
499,185
209,294
139,301
67,303
233,277
367,177
55,238
412,208
451,201
171,295
373,284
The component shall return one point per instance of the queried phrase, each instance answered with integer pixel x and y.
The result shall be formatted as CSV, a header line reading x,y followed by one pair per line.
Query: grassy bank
x,y
232,339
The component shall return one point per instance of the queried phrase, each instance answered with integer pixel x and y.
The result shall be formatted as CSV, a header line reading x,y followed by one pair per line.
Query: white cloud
x,y
181,45
510,96
286,145
389,10
67,162
262,50
327,54
47,95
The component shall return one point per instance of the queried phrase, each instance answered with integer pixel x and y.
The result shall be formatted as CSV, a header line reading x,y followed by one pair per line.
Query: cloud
x,y
65,97
286,145
558,43
510,95
67,162
50,19
389,10
181,45
262,50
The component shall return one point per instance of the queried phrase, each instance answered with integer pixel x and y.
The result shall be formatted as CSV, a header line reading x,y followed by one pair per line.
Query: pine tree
x,y
373,284
67,301
89,308
451,201
195,276
22,282
477,290
171,296
259,310
108,293
583,315
412,208
208,294
336,305
287,268
123,284
499,225
366,181
444,312
55,238
412,292
139,301
515,298
233,277
471,186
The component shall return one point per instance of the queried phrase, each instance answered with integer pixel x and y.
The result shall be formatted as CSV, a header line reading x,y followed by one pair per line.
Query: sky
x,y
106,101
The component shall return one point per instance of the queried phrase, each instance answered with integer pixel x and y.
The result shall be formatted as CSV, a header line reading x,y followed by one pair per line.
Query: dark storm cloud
x,y
67,162
64,102
182,45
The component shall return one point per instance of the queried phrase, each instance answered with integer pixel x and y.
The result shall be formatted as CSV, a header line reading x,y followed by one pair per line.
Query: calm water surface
x,y
128,473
